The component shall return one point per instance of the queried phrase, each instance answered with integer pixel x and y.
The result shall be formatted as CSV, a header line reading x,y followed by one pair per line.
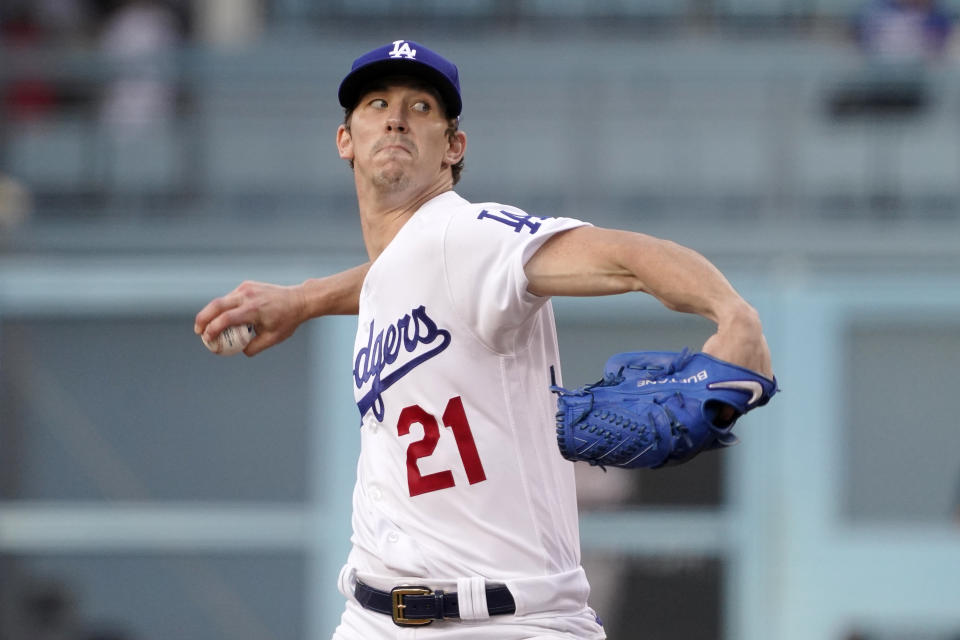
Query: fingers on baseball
x,y
221,324
237,316
213,309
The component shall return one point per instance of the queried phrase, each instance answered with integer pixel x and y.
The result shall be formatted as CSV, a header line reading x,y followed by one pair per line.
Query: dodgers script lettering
x,y
412,332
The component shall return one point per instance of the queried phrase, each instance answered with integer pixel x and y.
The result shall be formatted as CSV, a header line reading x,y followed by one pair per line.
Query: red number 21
x,y
455,419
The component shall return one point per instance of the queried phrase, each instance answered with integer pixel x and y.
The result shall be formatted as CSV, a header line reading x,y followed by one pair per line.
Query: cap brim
x,y
359,78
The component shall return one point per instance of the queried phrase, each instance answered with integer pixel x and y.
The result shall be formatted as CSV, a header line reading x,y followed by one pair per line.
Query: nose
x,y
395,124
396,120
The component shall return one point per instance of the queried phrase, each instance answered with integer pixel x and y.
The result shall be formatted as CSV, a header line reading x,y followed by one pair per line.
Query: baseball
x,y
231,340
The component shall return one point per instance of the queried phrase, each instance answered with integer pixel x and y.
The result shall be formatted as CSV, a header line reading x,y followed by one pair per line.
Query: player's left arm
x,y
592,261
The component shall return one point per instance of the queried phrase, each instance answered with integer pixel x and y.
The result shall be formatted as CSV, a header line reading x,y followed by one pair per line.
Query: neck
x,y
383,214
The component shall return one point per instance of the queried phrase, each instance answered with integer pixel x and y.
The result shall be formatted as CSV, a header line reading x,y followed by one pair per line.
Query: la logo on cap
x,y
401,49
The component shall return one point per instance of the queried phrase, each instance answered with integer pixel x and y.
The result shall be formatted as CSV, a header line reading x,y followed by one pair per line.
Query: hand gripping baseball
x,y
274,311
654,408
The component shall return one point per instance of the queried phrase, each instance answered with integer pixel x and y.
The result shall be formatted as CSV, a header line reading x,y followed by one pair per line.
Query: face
x,y
397,138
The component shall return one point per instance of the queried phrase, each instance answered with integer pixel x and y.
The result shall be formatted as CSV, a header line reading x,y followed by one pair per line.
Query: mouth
x,y
395,146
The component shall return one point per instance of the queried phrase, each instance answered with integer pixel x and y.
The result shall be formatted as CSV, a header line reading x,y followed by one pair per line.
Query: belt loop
x,y
472,598
347,581
441,609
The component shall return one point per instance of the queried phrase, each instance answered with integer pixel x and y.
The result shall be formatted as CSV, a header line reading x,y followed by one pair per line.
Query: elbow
x,y
741,313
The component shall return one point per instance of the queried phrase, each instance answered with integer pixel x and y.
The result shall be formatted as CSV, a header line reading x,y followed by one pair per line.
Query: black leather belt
x,y
413,605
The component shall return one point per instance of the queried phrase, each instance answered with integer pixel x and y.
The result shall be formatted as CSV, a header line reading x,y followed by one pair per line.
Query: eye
x,y
422,106
378,103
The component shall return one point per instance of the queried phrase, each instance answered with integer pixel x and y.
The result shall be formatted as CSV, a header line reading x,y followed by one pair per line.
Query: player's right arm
x,y
276,311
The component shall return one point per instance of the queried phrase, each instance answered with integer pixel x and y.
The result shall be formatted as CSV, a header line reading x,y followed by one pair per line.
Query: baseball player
x,y
464,512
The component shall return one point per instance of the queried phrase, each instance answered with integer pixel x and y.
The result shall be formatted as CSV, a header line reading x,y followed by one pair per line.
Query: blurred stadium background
x,y
155,154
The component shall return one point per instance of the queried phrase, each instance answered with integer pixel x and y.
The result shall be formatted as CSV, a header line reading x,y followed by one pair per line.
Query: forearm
x,y
590,261
682,280
338,294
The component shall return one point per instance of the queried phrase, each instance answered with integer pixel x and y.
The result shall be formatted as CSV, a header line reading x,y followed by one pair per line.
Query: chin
x,y
391,180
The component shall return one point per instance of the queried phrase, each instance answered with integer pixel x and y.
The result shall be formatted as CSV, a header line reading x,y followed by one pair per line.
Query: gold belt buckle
x,y
397,594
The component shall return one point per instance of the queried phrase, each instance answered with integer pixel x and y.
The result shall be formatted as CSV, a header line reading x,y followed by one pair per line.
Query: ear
x,y
344,143
456,148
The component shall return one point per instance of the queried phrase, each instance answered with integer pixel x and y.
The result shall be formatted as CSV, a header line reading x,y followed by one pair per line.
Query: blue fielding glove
x,y
654,408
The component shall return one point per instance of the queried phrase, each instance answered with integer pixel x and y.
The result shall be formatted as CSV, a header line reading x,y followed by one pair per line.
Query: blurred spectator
x,y
44,21
138,36
28,95
27,27
898,38
899,31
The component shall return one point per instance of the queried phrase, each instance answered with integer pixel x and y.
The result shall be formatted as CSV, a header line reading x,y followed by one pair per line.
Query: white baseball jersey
x,y
459,472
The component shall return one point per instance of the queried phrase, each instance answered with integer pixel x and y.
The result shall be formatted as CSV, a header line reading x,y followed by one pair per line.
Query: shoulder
x,y
451,203
475,223
457,217
496,219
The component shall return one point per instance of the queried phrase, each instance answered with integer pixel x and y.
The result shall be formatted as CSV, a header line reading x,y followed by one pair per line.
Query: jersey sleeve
x,y
485,250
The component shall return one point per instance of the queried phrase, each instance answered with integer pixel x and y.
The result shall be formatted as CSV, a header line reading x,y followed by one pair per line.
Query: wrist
x,y
310,299
329,296
300,306
338,294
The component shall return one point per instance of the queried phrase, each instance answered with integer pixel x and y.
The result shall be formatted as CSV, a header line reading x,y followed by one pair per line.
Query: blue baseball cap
x,y
403,57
